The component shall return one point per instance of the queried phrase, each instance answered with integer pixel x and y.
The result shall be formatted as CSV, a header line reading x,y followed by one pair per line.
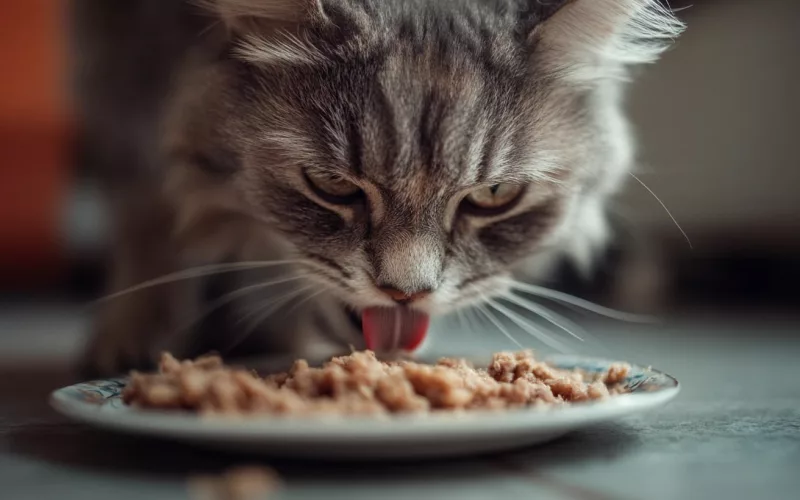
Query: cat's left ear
x,y
247,15
274,31
586,40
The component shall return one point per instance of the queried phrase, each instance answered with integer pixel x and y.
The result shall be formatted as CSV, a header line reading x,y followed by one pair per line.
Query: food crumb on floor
x,y
238,483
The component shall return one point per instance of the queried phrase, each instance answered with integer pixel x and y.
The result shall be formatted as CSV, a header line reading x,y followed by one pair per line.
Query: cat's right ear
x,y
586,40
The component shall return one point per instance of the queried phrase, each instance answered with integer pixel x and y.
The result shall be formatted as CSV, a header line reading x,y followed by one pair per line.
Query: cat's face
x,y
430,148
413,172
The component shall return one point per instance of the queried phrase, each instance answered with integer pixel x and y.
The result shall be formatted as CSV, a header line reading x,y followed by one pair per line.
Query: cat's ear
x,y
273,31
586,40
244,15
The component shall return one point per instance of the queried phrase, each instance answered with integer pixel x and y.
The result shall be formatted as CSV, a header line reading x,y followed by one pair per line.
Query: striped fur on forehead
x,y
488,30
430,110
396,120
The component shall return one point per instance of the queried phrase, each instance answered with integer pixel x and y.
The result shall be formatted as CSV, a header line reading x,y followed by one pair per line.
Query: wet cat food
x,y
361,384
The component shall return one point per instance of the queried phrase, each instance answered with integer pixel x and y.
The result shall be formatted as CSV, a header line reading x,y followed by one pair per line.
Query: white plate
x,y
98,403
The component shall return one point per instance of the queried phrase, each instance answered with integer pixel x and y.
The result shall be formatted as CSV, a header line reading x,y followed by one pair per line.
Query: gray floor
x,y
734,432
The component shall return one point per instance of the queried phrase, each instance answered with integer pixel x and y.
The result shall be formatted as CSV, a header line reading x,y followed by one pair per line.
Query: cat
x,y
327,168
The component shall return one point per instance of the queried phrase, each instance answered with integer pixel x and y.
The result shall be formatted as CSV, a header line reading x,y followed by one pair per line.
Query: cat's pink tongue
x,y
391,328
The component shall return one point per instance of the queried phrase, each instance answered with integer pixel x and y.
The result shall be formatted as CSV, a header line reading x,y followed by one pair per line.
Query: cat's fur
x,y
204,121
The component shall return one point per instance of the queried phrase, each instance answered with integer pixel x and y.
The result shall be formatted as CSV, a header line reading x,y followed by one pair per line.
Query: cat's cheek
x,y
463,290
446,298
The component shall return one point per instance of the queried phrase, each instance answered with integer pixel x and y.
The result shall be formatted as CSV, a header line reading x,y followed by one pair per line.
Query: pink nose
x,y
402,297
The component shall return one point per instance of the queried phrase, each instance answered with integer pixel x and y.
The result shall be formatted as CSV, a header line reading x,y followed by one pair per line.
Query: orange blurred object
x,y
35,139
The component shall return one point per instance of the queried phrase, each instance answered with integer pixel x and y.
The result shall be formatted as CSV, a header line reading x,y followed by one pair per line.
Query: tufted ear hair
x,y
236,13
269,32
586,40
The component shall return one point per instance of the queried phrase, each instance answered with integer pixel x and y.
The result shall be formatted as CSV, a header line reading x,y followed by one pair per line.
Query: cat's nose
x,y
402,297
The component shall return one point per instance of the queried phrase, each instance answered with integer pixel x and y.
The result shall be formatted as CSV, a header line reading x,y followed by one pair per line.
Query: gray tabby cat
x,y
328,165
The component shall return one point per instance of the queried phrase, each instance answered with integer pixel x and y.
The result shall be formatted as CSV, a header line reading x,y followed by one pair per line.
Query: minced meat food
x,y
361,384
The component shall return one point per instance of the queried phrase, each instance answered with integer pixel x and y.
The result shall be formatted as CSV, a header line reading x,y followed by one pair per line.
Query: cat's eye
x,y
332,188
495,199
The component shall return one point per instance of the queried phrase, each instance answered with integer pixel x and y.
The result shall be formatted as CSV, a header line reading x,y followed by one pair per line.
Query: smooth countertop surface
x,y
733,432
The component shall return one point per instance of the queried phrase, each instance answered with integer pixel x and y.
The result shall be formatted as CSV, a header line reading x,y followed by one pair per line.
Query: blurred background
x,y
718,135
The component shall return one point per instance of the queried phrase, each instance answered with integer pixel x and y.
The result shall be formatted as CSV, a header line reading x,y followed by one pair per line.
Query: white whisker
x,y
463,324
311,296
486,312
564,323
674,220
541,311
473,320
263,312
270,301
195,272
566,298
227,298
527,326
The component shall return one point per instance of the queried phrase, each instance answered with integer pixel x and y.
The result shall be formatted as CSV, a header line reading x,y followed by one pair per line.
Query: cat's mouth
x,y
394,328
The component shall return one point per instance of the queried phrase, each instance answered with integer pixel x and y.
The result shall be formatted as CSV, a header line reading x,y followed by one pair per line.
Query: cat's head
x,y
420,149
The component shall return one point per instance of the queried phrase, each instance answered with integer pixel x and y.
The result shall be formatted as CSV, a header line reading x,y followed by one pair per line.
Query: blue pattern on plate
x,y
97,392
639,379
